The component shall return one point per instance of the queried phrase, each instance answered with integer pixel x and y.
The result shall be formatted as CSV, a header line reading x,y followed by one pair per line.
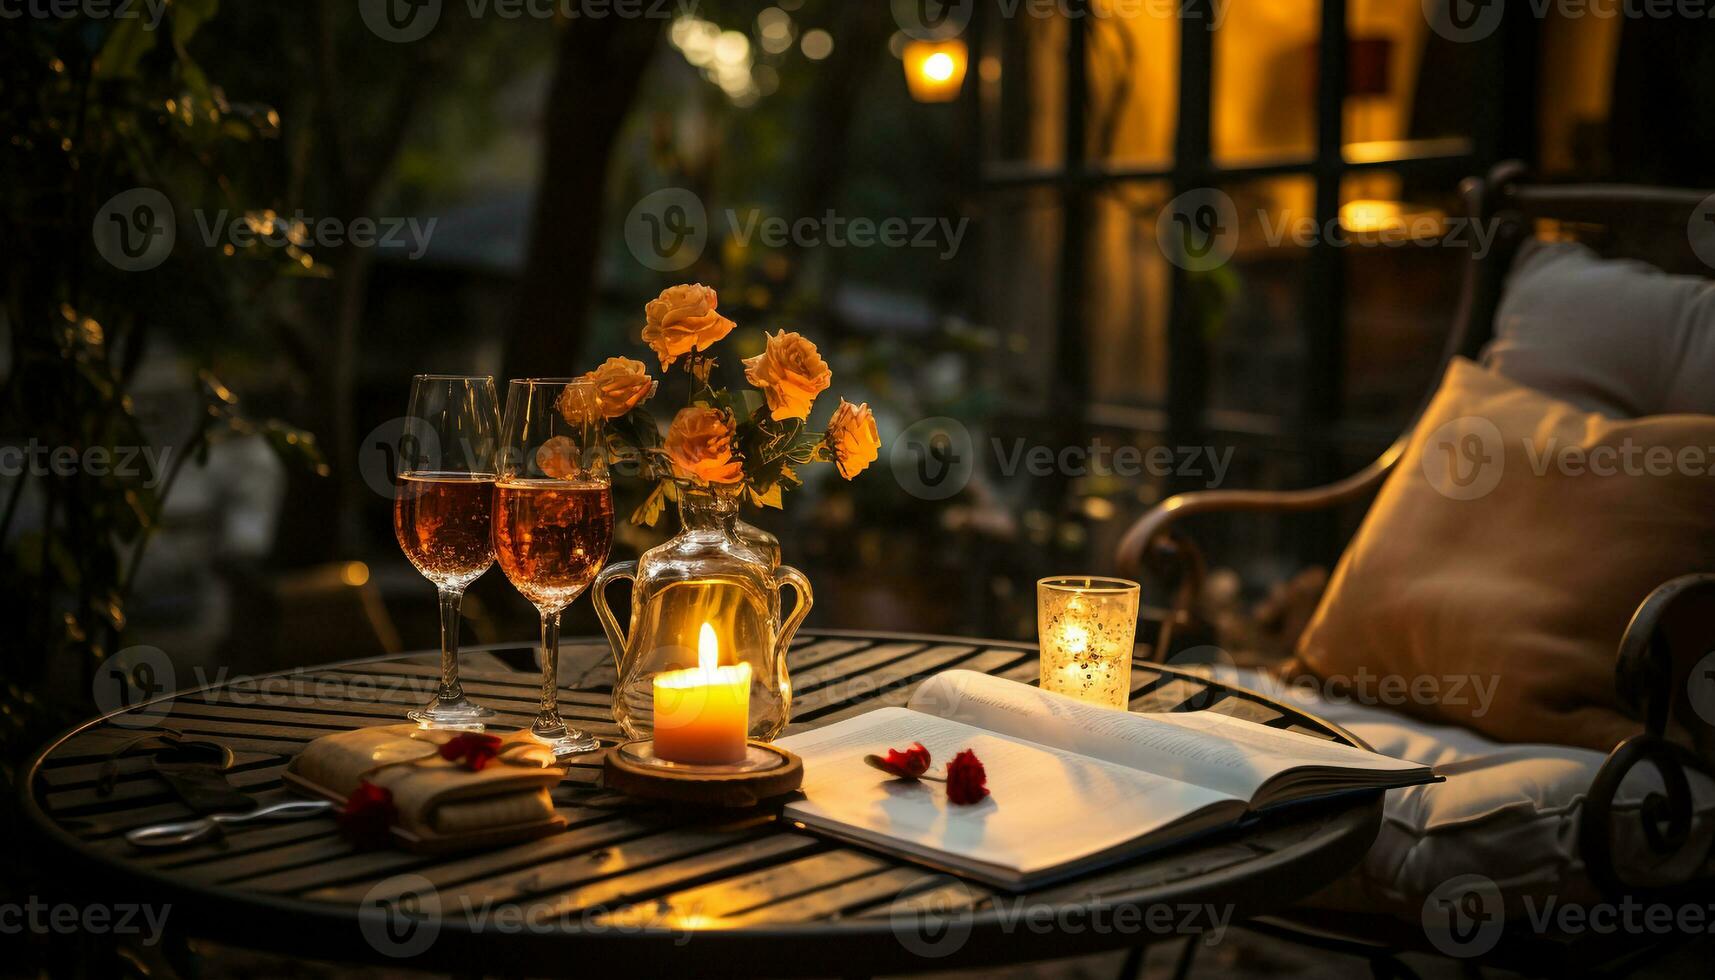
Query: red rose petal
x,y
967,782
472,750
369,815
911,763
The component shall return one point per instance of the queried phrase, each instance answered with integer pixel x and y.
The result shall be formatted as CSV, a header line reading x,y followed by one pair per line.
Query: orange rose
x,y
558,458
853,439
683,319
790,373
622,384
578,404
699,442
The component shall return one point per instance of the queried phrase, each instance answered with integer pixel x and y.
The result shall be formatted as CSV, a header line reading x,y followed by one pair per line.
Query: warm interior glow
x,y
1370,216
1394,218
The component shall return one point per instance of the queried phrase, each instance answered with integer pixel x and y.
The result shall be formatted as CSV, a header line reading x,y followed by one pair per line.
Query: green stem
x,y
12,504
196,440
785,438
699,388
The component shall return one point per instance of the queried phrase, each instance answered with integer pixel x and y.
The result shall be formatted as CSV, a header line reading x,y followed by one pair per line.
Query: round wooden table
x,y
637,887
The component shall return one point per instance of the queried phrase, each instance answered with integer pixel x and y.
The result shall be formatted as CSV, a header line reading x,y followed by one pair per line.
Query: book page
x,y
1293,747
1228,755
1047,807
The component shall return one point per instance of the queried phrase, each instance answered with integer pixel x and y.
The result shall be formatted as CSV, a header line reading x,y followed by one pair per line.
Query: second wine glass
x,y
553,518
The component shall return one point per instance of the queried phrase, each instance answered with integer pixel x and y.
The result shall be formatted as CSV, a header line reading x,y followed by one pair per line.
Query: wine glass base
x,y
568,742
462,715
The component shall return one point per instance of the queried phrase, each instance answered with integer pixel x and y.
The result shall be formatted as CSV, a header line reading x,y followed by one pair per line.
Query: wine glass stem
x,y
549,717
451,689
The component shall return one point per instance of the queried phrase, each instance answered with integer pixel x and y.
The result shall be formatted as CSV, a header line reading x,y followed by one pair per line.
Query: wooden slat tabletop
x,y
633,885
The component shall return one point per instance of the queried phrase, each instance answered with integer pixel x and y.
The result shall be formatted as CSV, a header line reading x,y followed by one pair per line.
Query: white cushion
x,y
1509,812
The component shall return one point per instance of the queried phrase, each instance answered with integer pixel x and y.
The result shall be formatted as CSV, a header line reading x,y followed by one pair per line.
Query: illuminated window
x,y
1329,125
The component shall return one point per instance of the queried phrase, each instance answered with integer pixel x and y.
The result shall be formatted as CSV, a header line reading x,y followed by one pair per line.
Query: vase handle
x,y
785,575
616,638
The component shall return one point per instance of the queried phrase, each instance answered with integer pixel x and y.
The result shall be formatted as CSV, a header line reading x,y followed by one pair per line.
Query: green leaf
x,y
132,519
110,607
769,498
125,46
293,270
99,379
60,557
188,15
746,403
646,433
804,444
28,549
200,96
214,393
295,446
648,512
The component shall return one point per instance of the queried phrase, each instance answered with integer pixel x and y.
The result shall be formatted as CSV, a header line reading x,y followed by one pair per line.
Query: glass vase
x,y
714,573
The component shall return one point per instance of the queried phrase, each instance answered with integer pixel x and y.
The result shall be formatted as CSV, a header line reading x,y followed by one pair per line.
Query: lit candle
x,y
702,715
1086,627
1075,639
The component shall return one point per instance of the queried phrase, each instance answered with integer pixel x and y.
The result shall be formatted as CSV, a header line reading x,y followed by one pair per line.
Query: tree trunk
x,y
598,71
351,162
826,130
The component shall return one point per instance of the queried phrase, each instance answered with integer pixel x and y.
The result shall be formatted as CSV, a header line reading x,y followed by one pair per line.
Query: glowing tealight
x,y
702,715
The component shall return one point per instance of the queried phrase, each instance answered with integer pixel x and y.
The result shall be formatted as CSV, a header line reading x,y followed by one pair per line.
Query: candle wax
x,y
702,715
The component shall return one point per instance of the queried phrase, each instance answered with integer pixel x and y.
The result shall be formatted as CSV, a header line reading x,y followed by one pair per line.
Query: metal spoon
x,y
188,831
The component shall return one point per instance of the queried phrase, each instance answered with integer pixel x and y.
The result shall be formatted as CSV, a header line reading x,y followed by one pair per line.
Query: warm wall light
x,y
935,70
1392,220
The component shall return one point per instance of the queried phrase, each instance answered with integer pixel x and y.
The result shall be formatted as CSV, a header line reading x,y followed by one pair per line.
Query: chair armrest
x,y
1151,530
1665,639
1661,678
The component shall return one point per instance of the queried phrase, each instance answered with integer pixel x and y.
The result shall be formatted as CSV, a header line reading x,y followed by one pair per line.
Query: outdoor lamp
x,y
935,70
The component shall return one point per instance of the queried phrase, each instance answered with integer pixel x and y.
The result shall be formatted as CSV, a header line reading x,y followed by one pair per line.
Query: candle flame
x,y
708,652
1076,639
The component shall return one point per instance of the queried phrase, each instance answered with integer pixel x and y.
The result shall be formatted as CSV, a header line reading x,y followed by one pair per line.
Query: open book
x,y
1073,786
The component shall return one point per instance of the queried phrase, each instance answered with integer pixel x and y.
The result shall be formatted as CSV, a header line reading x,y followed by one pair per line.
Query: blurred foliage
x,y
266,111
333,123
841,135
92,110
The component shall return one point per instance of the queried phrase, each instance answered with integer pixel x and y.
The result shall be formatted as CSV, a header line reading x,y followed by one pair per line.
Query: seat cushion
x,y
1508,812
1616,337
1505,555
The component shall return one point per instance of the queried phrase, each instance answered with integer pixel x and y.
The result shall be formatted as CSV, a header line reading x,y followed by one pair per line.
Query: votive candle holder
x,y
1086,628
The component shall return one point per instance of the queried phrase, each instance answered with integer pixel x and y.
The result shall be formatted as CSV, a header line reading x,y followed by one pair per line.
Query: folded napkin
x,y
435,796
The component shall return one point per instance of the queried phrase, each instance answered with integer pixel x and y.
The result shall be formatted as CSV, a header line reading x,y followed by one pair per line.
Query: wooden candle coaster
x,y
766,772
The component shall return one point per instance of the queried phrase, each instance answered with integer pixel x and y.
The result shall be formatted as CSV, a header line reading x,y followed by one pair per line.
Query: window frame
x,y
1501,128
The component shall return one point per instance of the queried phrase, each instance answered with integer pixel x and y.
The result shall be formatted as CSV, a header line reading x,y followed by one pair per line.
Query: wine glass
x,y
553,518
441,508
